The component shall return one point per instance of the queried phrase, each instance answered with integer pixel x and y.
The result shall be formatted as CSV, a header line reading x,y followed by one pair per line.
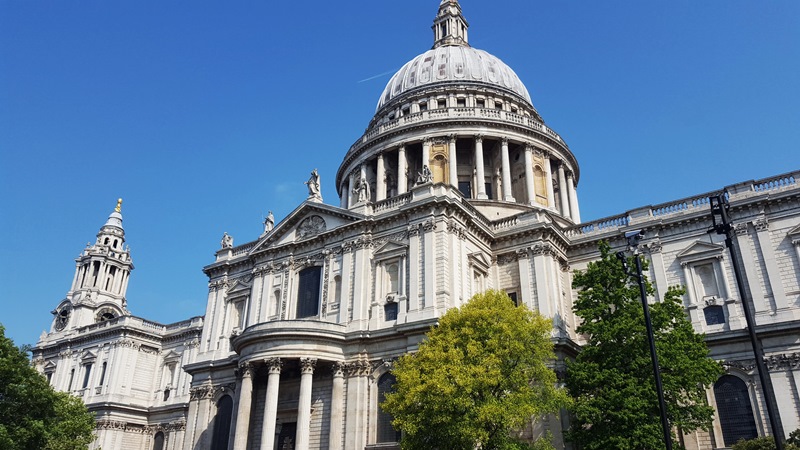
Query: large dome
x,y
453,63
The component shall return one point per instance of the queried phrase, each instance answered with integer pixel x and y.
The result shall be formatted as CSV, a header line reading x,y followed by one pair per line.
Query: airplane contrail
x,y
377,76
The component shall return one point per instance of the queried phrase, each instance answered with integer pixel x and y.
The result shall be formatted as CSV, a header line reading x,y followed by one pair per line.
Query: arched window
x,y
158,441
386,432
222,423
735,412
308,292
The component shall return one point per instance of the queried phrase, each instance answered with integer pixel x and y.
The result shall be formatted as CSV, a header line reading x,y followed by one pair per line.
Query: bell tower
x,y
101,279
450,26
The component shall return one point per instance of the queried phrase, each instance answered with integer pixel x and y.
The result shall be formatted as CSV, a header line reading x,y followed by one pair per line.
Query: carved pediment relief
x,y
699,251
306,222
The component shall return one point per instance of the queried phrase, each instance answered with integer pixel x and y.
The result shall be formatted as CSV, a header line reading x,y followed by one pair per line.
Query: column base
x,y
510,199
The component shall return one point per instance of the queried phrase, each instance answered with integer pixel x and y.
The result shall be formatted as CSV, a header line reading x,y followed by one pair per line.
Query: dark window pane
x,y
390,311
222,424
158,441
735,412
715,314
386,432
466,188
308,293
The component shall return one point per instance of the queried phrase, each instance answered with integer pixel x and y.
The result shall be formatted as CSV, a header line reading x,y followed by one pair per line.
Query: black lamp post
x,y
720,219
633,238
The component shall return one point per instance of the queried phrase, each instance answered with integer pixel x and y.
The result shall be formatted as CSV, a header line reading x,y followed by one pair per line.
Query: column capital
x,y
479,138
274,365
338,368
452,137
401,146
427,141
307,365
246,369
740,229
504,140
528,147
761,224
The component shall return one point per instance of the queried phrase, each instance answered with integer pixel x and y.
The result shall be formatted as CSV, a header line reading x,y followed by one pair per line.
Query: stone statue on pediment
x,y
314,187
269,223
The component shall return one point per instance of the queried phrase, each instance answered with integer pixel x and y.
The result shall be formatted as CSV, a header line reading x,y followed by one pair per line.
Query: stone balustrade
x,y
456,113
684,206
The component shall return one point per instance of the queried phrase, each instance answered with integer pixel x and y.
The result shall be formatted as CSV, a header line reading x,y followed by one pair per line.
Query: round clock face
x,y
62,318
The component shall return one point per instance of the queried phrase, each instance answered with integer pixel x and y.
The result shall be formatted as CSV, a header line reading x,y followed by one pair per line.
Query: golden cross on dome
x,y
119,205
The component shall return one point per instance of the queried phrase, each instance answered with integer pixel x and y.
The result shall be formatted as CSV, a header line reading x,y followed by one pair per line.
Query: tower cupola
x,y
101,278
450,26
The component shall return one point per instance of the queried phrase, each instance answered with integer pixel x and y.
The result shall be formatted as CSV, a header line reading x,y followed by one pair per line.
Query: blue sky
x,y
204,115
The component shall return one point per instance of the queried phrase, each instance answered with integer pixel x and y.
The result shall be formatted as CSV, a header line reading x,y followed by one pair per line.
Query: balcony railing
x,y
686,205
456,113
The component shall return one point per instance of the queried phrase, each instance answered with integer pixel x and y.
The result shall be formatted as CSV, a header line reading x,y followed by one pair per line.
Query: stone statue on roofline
x,y
314,187
227,240
269,223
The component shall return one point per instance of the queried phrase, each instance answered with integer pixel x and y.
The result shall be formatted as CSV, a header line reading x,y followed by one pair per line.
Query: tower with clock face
x,y
101,279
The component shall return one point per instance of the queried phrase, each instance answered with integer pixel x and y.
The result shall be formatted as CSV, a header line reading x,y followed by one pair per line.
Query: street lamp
x,y
633,238
720,219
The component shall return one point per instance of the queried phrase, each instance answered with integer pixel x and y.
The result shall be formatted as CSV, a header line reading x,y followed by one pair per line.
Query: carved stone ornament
x,y
761,224
307,365
311,226
337,369
740,229
359,368
274,365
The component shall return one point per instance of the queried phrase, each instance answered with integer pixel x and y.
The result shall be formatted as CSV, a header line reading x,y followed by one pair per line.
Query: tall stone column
x,y
402,169
271,404
426,152
245,403
380,183
562,191
529,180
506,171
453,161
357,394
350,186
344,196
337,410
479,175
304,403
573,199
548,174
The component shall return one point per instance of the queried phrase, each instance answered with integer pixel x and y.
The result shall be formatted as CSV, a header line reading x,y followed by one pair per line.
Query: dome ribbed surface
x,y
452,64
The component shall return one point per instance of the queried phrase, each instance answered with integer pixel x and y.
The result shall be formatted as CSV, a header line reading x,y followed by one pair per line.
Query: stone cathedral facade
x,y
457,186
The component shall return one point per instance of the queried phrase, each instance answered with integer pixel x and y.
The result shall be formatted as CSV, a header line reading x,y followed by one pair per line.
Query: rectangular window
x,y
308,292
71,379
86,375
390,311
466,188
513,297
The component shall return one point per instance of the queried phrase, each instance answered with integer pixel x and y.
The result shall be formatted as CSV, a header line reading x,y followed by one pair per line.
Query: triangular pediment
x,y
171,356
239,287
794,232
480,260
49,365
391,249
88,355
307,221
700,250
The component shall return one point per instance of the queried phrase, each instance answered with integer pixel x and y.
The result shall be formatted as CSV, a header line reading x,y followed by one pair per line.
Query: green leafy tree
x,y
32,414
611,380
762,443
480,375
